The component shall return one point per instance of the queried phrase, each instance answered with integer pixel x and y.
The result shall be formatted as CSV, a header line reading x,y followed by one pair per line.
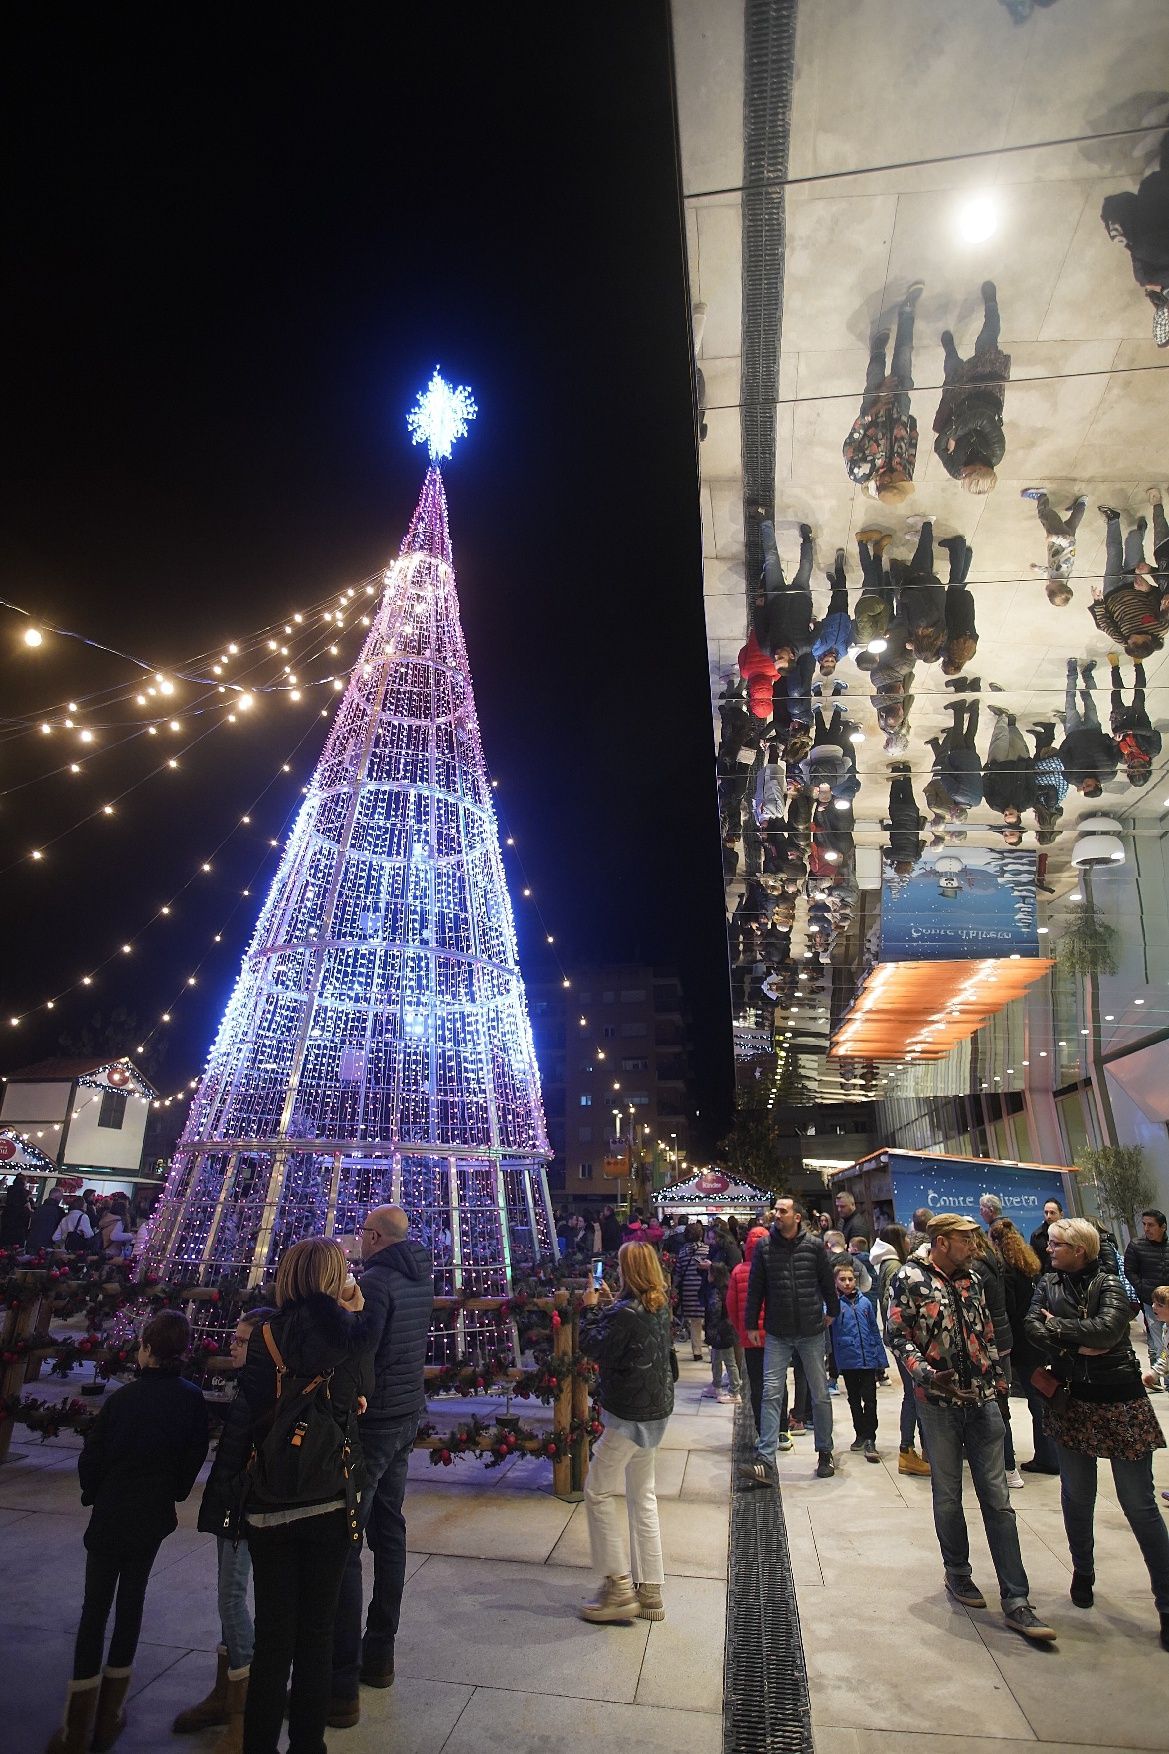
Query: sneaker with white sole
x,y
965,1590
784,1442
1015,1480
649,1595
1026,1622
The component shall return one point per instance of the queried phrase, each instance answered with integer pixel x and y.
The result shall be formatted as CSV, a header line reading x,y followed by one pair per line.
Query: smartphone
x,y
598,1274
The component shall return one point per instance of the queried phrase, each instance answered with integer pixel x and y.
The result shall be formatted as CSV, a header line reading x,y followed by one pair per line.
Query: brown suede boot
x,y
111,1715
77,1724
231,1740
210,1712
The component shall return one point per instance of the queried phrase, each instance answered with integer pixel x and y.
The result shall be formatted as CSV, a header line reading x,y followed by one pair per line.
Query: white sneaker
x,y
1015,1480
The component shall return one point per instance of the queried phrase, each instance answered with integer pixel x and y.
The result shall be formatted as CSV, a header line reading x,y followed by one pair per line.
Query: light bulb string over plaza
x,y
108,807
293,623
165,909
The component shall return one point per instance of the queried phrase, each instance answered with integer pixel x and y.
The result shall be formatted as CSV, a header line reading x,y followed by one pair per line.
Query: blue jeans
x,y
909,1419
387,1455
777,1356
235,1623
978,1431
1138,1501
1156,1331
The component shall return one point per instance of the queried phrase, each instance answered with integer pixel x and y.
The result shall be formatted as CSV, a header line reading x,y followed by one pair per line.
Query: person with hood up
x,y
397,1285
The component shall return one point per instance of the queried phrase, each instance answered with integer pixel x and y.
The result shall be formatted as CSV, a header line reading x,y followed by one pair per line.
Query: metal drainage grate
x,y
766,1708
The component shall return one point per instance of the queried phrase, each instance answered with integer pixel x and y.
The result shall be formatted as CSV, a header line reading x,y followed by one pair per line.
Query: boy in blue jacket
x,y
856,1343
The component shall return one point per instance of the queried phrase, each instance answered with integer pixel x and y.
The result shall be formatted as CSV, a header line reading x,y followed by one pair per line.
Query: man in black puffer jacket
x,y
1146,1262
397,1284
792,1289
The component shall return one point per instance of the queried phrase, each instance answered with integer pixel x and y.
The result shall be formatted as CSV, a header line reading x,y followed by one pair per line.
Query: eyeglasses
x,y
368,1230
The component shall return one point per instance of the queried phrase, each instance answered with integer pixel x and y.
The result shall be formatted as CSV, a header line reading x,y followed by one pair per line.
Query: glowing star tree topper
x,y
441,416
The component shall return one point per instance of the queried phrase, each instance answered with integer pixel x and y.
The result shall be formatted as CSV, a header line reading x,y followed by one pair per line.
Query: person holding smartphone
x,y
942,1331
629,1339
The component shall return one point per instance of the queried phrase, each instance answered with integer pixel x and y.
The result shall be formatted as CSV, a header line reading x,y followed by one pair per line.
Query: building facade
x,y
614,1054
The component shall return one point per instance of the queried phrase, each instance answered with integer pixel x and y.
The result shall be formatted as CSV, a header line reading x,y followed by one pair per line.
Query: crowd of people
x,y
312,1460
83,1223
968,1311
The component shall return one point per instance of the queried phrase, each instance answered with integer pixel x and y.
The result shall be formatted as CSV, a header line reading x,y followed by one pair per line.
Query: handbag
x,y
1054,1392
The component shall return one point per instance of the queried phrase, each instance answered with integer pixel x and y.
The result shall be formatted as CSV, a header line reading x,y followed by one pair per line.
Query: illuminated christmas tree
x,y
376,1048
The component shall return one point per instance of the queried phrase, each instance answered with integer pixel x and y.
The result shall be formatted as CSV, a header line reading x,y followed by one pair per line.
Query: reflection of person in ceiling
x,y
1090,757
1136,736
920,621
1008,775
969,420
881,448
905,822
1133,606
875,605
1140,221
781,618
961,632
956,759
834,634
1061,543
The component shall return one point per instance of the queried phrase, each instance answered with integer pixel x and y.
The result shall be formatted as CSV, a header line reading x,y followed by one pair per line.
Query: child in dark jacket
x,y
856,1343
721,1336
141,1459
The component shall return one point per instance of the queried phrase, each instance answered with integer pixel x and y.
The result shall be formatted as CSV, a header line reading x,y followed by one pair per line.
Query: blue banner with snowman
x,y
961,904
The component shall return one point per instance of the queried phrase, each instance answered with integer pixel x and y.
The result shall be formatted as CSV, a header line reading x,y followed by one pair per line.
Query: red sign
x,y
710,1182
7,1150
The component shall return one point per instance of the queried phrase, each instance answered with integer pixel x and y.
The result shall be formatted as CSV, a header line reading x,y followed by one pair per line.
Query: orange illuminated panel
x,y
919,1010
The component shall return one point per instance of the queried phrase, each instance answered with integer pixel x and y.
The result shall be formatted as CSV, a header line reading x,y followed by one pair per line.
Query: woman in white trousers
x,y
629,1339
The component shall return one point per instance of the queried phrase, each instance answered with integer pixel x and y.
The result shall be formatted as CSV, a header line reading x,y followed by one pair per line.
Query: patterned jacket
x,y
936,1323
881,439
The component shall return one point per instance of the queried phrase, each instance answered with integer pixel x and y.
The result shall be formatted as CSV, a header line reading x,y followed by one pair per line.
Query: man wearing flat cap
x,y
942,1331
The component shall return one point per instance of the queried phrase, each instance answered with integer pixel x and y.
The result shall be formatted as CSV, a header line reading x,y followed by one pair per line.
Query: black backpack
x,y
308,1453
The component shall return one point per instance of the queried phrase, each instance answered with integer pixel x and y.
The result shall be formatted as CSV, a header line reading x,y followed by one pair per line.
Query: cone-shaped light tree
x,y
376,1048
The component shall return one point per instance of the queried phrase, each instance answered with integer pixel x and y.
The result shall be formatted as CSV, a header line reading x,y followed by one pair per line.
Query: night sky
x,y
236,247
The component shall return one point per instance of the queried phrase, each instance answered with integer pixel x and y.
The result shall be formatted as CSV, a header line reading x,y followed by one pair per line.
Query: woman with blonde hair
x,y
300,1544
629,1339
1079,1320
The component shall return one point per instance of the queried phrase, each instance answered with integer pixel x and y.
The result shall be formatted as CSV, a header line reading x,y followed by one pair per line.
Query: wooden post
x,y
580,1411
562,1481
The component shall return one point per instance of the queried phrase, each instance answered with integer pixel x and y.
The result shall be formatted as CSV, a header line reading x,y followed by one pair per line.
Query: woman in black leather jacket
x,y
630,1342
1079,1319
